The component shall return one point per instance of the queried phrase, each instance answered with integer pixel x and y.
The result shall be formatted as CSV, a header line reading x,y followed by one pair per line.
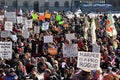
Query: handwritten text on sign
x,y
6,50
70,50
88,60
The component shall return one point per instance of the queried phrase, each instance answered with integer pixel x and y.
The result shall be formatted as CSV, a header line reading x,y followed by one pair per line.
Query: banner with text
x,y
6,50
11,16
48,39
20,20
8,26
70,36
45,26
5,34
70,50
88,60
36,29
25,33
95,48
29,23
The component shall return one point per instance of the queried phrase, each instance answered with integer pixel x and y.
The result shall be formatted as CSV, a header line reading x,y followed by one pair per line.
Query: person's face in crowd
x,y
55,68
42,60
34,72
43,67
7,69
1,72
72,70
20,66
12,73
47,74
112,55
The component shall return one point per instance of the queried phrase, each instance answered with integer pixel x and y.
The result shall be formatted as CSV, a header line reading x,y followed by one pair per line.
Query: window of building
x,y
46,4
25,4
36,6
14,3
2,3
66,4
56,4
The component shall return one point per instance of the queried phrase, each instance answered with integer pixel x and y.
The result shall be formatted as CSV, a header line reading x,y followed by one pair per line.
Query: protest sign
x,y
5,34
24,19
58,17
48,39
47,15
52,51
70,36
36,29
34,16
25,27
1,21
8,26
95,48
25,33
1,16
10,16
70,50
88,60
29,23
14,37
41,17
6,50
45,26
61,22
20,20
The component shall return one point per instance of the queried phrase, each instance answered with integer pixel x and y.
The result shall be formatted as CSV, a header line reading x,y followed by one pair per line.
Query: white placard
x,y
5,34
1,21
25,27
20,20
88,60
1,16
24,19
70,36
48,39
8,26
14,37
95,48
11,16
70,50
36,29
29,23
26,33
6,50
45,26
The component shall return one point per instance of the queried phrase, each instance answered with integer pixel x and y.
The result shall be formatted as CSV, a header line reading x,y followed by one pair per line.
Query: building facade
x,y
39,5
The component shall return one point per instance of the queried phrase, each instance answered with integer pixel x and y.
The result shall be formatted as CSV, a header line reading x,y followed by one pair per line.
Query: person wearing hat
x,y
2,74
12,75
7,69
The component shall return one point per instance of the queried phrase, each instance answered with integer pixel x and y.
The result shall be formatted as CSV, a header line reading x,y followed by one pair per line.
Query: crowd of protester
x,y
27,64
